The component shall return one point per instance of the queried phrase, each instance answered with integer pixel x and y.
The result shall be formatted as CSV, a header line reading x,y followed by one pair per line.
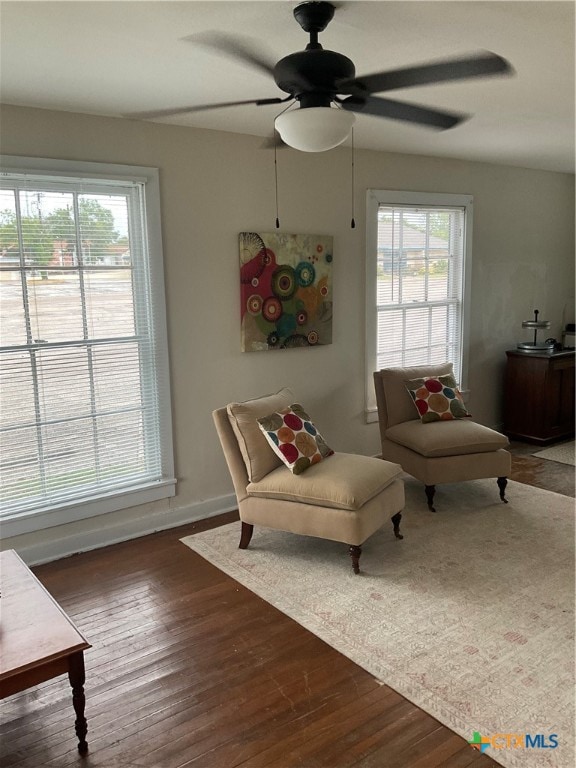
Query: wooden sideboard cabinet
x,y
539,401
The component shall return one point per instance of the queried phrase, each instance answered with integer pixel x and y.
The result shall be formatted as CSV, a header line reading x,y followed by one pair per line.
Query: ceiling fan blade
x,y
398,110
246,51
479,65
202,108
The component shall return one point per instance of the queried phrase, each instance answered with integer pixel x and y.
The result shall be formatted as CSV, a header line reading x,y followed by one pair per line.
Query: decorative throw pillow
x,y
437,398
294,438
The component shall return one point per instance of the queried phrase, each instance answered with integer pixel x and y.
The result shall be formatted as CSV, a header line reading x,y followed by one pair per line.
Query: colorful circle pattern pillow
x,y
437,398
294,438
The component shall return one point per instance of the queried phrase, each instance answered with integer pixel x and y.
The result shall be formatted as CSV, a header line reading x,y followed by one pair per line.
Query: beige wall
x,y
215,185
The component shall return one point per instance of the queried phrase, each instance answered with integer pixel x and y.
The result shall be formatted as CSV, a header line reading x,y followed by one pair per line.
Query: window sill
x,y
29,522
371,415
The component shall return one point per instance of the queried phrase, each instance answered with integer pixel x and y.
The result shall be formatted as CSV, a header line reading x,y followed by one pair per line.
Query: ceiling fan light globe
x,y
314,129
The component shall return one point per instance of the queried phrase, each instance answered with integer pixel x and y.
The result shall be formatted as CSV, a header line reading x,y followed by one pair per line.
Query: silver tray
x,y
527,346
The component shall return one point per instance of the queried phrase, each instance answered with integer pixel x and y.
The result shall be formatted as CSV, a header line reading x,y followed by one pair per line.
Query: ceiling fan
x,y
323,87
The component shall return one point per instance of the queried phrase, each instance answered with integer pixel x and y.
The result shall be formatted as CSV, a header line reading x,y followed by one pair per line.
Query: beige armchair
x,y
440,451
344,498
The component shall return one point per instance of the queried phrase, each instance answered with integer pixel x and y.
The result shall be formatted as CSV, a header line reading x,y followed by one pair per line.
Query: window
x,y
85,422
417,282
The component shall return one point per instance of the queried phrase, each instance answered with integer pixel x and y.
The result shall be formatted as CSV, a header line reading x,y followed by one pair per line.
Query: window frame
x,y
73,511
375,198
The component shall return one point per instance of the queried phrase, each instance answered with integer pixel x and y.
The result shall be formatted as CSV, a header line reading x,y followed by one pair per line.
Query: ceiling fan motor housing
x,y
312,75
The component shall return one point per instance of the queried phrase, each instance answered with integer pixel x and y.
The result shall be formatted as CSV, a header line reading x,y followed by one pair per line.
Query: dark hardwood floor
x,y
189,668
550,475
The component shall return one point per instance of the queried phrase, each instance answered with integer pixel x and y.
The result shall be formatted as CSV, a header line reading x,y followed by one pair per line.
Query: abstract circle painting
x,y
285,290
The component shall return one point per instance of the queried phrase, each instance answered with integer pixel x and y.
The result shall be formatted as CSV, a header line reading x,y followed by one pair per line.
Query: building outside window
x,y
85,422
418,268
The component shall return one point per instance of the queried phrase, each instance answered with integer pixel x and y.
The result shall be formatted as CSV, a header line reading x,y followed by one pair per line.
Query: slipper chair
x,y
424,427
297,484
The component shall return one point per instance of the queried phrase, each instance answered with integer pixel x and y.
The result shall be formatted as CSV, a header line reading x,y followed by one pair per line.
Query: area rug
x,y
470,617
564,453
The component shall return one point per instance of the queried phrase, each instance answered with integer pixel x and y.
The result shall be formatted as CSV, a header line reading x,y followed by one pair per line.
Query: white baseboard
x,y
56,543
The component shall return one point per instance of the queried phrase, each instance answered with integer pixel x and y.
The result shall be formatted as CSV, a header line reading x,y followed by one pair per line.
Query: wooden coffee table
x,y
38,639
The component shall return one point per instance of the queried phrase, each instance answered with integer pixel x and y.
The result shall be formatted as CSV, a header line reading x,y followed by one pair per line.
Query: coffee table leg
x,y
77,677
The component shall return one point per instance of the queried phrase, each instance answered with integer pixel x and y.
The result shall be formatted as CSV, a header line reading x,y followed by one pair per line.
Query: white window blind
x,y
418,246
84,404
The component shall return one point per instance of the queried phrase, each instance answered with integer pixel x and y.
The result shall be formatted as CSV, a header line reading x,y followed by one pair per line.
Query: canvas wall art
x,y
286,290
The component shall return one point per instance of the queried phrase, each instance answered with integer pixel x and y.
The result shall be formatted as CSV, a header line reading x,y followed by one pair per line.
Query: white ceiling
x,y
115,58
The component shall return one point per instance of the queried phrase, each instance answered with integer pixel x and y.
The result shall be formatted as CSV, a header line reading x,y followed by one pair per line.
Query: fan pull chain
x,y
276,182
353,222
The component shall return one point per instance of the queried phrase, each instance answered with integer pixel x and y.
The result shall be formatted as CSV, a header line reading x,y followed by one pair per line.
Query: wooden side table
x,y
39,641
539,399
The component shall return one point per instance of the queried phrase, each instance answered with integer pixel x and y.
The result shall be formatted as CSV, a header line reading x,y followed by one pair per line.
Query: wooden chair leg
x,y
430,490
396,523
502,483
246,535
355,553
